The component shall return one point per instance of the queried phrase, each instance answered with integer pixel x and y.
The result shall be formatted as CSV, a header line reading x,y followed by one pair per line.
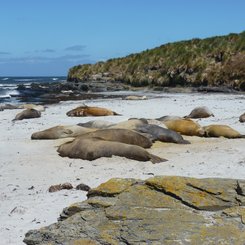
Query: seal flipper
x,y
155,159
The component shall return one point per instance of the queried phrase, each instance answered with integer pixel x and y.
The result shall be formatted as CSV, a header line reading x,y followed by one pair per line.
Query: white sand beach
x,y
28,167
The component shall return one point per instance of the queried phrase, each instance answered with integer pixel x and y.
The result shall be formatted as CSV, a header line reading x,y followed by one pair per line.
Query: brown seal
x,y
26,114
86,111
242,118
93,148
185,127
222,131
200,112
121,135
59,132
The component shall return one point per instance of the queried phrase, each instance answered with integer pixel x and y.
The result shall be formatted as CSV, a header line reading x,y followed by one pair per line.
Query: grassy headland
x,y
215,62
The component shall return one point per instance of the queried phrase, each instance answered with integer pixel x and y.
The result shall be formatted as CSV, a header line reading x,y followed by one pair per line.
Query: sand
x,y
28,167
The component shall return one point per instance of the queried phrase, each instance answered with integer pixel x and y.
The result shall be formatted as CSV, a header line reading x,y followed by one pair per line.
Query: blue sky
x,y
47,37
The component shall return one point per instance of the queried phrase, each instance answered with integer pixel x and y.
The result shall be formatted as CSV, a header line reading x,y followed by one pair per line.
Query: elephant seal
x,y
8,107
222,131
26,114
59,132
130,124
200,112
93,148
185,127
32,106
168,118
86,111
242,118
135,97
120,135
96,124
162,134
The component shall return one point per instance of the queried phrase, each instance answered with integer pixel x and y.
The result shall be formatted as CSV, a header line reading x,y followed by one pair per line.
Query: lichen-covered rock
x,y
160,210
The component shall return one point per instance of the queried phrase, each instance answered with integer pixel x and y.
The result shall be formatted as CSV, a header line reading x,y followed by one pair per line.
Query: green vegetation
x,y
215,61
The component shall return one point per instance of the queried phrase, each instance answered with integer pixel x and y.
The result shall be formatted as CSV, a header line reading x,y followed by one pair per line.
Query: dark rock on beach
x,y
160,210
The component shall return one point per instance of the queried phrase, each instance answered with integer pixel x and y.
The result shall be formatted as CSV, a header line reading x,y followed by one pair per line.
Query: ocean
x,y
8,85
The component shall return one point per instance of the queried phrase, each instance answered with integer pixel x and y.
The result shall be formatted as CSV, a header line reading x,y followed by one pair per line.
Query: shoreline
x,y
25,163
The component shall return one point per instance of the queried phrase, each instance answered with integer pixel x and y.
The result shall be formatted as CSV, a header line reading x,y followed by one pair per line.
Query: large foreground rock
x,y
160,210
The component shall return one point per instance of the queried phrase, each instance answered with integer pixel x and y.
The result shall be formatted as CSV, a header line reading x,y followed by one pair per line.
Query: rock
x,y
83,187
54,188
242,118
160,210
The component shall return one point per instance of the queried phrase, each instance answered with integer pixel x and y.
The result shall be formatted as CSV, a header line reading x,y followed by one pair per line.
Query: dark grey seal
x,y
162,134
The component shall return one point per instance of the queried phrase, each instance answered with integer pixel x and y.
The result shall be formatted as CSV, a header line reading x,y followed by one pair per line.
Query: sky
x,y
47,37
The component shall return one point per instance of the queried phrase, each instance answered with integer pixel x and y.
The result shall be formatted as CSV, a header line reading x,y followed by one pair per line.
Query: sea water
x,y
8,85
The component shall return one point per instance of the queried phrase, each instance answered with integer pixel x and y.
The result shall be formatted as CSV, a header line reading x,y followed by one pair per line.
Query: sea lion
x,y
26,114
185,127
85,111
96,124
242,118
93,148
135,97
120,135
59,132
162,134
168,118
156,122
200,112
8,107
32,106
130,124
222,131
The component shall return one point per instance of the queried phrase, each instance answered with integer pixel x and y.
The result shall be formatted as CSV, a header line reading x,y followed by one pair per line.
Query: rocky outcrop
x,y
212,62
160,210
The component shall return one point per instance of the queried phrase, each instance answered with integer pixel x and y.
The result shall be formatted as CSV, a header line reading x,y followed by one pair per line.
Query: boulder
x,y
159,210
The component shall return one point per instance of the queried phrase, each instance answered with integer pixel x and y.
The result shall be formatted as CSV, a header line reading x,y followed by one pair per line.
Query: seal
x,y
135,97
222,131
93,148
200,112
185,127
242,118
59,132
168,118
130,124
162,134
100,124
85,111
32,106
26,114
120,135
8,107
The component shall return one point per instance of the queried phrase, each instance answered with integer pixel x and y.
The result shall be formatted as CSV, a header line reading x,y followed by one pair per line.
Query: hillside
x,y
215,62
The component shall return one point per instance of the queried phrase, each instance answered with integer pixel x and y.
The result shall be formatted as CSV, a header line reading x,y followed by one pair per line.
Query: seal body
x,y
26,114
168,118
100,124
32,106
162,134
93,148
59,132
185,127
242,118
135,97
130,124
222,131
121,135
84,111
200,112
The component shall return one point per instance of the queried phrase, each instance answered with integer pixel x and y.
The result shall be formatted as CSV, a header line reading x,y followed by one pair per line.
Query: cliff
x,y
213,62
